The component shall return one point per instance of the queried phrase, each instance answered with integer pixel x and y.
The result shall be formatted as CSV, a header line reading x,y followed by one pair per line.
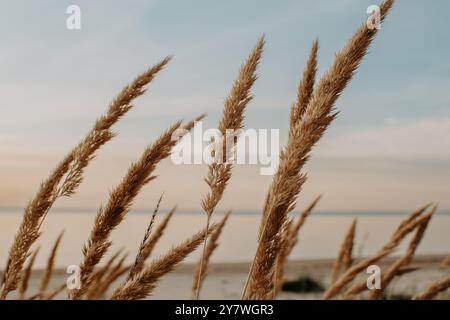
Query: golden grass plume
x,y
289,178
200,273
50,266
399,234
120,201
68,175
142,285
26,276
405,260
150,243
219,172
141,255
289,240
344,258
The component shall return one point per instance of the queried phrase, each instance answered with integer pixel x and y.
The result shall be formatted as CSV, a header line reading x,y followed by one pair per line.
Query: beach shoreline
x,y
226,280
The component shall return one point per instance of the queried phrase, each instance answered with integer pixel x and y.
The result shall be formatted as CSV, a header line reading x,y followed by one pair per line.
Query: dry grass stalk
x,y
120,201
104,286
153,240
304,94
344,258
219,172
278,273
446,262
27,274
114,273
142,285
289,178
141,255
212,245
50,266
347,254
403,261
52,294
434,289
99,273
68,175
289,240
306,86
405,270
292,234
411,219
362,285
298,109
351,273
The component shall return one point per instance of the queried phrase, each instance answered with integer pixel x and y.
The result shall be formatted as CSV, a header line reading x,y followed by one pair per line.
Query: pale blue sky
x,y
389,148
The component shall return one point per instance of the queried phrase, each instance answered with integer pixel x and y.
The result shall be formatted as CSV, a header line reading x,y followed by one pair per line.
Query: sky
x,y
389,148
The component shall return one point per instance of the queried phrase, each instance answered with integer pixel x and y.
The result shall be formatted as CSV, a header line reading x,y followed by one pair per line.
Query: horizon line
x,y
223,211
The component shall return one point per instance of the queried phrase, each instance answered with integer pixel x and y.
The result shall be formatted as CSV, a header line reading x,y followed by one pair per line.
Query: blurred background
x,y
386,154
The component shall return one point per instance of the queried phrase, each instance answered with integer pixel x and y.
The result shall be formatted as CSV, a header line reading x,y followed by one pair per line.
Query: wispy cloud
x,y
426,138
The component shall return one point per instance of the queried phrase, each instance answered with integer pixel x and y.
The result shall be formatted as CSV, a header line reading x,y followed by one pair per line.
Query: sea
x,y
319,238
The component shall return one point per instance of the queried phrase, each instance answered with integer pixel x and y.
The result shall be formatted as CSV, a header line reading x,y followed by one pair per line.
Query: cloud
x,y
426,138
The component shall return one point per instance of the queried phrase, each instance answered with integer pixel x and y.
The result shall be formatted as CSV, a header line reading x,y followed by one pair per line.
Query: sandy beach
x,y
226,280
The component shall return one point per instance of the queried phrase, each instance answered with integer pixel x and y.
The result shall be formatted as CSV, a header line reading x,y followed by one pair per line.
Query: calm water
x,y
320,237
